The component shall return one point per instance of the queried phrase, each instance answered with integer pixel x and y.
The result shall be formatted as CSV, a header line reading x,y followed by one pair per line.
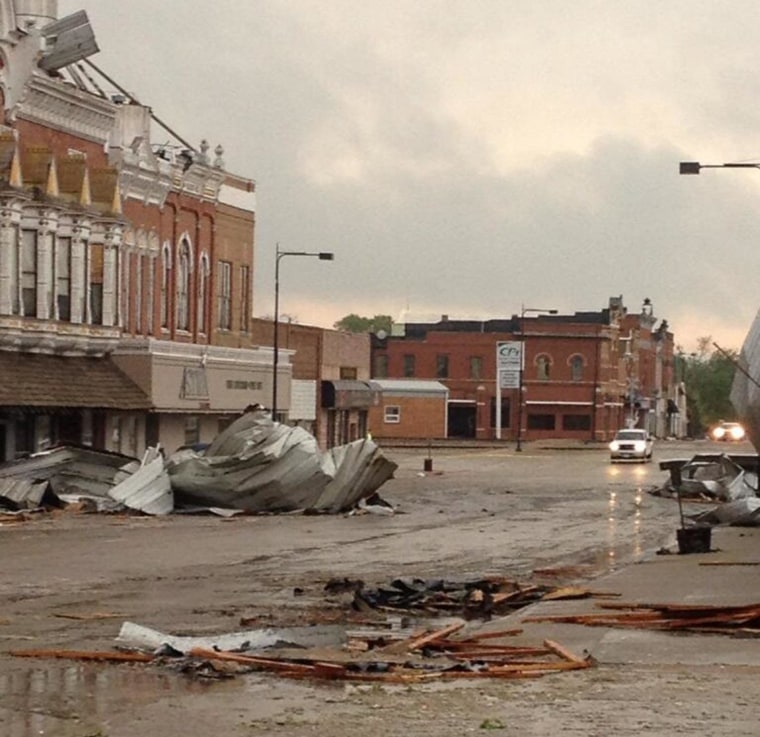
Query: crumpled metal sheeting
x,y
360,469
21,493
740,513
261,466
277,472
718,477
148,489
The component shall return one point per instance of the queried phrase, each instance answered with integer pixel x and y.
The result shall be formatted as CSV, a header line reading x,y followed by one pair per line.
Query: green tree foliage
x,y
708,375
354,323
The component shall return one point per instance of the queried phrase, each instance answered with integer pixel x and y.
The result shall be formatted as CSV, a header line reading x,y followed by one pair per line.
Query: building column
x,y
111,263
48,225
80,272
10,217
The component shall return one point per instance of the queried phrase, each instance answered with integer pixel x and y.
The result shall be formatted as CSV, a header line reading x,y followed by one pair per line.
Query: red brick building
x,y
584,375
323,379
125,266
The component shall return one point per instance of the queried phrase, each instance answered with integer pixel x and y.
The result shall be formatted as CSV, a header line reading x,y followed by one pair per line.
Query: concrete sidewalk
x,y
661,579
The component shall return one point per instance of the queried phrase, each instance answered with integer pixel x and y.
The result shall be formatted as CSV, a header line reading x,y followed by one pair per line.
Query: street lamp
x,y
694,167
524,311
322,256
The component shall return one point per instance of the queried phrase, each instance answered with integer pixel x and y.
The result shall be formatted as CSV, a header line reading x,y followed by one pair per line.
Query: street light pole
x,y
523,311
694,167
322,256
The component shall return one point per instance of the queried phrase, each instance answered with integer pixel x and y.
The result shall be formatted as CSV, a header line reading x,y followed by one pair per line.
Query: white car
x,y
728,431
631,445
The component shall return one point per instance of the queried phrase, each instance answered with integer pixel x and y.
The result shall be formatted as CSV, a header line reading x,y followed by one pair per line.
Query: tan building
x,y
409,408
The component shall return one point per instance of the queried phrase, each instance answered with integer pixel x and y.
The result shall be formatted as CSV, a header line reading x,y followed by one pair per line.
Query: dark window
x,y
29,272
505,412
541,422
63,278
225,295
381,366
476,367
576,422
543,364
96,283
409,364
442,366
183,286
245,298
576,368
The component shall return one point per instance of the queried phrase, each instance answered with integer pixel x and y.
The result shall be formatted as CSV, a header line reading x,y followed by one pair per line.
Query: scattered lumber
x,y
684,617
105,656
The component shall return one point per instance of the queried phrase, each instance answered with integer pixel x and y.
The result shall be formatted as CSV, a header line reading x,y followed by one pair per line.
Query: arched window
x,y
576,368
543,366
184,267
203,276
166,270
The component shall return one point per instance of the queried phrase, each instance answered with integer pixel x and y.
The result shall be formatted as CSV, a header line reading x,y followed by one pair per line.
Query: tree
x,y
354,323
708,376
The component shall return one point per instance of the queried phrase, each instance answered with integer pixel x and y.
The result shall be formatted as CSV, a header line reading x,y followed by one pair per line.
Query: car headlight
x,y
718,433
639,446
737,433
614,446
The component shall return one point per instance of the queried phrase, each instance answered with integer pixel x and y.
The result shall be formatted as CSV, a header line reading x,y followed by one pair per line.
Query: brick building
x,y
322,380
125,266
584,375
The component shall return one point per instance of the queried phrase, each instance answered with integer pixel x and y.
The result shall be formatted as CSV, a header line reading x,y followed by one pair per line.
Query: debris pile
x,y
478,599
734,620
719,478
422,656
257,465
254,466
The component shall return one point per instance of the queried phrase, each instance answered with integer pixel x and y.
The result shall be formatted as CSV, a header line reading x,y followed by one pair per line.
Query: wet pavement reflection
x,y
78,699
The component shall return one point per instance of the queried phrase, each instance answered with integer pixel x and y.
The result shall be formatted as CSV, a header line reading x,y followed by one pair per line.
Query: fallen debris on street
x,y
426,655
734,620
254,466
477,599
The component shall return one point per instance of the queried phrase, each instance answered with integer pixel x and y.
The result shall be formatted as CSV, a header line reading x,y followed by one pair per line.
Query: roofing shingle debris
x,y
254,466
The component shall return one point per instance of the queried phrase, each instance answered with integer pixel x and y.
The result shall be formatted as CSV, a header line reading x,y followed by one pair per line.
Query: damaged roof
x,y
39,380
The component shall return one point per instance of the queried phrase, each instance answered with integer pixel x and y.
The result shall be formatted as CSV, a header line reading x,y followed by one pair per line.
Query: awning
x,y
40,380
346,394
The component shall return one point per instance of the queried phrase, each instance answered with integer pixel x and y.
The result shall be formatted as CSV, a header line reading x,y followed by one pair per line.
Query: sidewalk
x,y
661,579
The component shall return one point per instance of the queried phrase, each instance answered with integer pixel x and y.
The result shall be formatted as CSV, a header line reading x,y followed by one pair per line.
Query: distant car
x,y
631,445
726,431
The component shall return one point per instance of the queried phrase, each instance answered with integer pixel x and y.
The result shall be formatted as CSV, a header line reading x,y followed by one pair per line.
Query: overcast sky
x,y
471,157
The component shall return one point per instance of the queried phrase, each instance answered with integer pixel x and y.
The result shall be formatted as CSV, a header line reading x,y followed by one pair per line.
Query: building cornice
x,y
62,106
63,339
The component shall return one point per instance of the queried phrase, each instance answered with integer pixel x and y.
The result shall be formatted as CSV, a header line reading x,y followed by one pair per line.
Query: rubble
x,y
476,599
257,465
704,618
425,655
254,466
716,478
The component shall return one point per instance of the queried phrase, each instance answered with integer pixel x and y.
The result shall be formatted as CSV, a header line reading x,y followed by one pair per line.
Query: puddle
x,y
79,699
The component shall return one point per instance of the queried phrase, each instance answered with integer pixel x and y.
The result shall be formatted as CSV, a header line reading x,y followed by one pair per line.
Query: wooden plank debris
x,y
686,617
451,659
105,656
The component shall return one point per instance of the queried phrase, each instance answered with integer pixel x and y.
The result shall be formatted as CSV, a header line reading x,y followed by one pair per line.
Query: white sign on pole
x,y
508,363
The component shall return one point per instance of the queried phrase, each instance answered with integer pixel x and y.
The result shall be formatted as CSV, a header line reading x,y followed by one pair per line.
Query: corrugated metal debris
x,y
260,466
717,478
255,465
418,656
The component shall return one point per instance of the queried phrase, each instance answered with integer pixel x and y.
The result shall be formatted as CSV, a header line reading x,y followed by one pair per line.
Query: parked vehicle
x,y
728,431
631,444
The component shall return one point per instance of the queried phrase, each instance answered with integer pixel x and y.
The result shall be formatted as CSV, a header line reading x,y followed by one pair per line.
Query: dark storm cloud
x,y
469,157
